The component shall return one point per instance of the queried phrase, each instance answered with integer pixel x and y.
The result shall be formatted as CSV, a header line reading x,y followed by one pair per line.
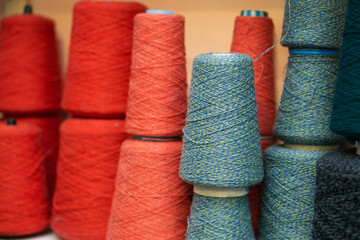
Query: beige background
x,y
209,24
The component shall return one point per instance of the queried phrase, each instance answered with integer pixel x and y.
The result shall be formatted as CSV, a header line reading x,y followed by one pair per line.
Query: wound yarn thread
x,y
221,136
49,126
255,190
219,218
88,158
287,205
30,73
150,200
253,36
306,102
345,116
24,202
337,214
313,24
98,71
157,93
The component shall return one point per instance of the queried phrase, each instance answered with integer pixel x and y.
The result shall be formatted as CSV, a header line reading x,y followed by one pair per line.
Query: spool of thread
x,y
157,93
30,73
288,193
221,136
24,203
255,190
253,35
98,71
345,116
313,24
150,201
219,218
337,198
88,158
306,102
49,126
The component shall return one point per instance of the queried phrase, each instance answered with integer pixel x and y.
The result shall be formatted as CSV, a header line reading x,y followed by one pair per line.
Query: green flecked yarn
x,y
307,98
287,204
221,136
313,23
215,218
345,118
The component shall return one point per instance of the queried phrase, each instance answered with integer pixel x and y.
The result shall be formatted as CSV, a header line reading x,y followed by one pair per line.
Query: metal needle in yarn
x,y
221,135
306,102
313,23
287,204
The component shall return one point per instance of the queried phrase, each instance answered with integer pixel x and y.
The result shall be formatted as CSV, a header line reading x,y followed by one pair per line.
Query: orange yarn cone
x,y
98,71
24,202
88,159
150,201
29,73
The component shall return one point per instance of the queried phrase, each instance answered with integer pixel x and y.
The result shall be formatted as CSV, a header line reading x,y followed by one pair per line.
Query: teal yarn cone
x,y
214,218
306,101
345,118
313,23
287,204
221,136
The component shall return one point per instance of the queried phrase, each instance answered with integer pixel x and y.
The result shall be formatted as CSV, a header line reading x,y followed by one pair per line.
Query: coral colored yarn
x,y
150,200
88,159
30,73
24,203
253,36
49,126
255,191
157,94
99,59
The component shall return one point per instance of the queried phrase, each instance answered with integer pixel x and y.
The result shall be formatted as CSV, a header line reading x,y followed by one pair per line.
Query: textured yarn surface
x,y
253,36
345,118
313,23
24,203
219,218
150,201
49,126
98,70
337,212
255,191
157,93
221,136
29,73
88,158
306,102
287,206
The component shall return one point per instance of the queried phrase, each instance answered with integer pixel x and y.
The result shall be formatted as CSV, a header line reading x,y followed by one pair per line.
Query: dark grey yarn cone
x,y
337,198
